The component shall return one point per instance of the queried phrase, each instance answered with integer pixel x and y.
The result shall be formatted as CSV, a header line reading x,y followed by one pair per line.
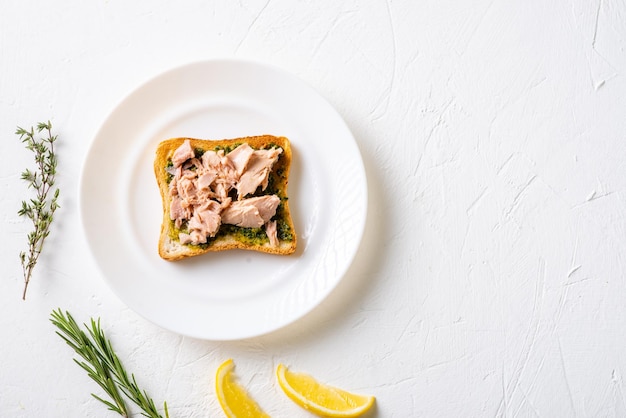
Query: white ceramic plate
x,y
233,294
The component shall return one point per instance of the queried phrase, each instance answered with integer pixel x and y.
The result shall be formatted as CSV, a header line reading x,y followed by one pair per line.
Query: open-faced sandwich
x,y
224,194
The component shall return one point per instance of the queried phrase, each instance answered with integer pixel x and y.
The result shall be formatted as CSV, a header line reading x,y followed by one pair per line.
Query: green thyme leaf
x,y
41,208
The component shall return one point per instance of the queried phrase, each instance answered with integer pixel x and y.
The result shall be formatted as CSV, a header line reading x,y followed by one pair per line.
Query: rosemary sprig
x,y
39,210
103,366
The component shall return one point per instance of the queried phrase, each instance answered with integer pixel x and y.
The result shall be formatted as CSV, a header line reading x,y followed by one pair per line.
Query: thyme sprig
x,y
40,210
103,366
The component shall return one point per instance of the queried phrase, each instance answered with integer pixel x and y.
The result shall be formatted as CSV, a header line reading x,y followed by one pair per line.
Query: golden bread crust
x,y
171,249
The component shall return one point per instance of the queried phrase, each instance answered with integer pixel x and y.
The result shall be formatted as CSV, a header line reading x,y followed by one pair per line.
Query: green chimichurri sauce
x,y
253,236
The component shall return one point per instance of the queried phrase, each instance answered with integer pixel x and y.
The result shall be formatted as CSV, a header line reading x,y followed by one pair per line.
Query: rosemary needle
x,y
103,366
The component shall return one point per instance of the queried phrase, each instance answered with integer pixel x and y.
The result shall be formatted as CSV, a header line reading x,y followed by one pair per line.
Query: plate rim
x,y
363,209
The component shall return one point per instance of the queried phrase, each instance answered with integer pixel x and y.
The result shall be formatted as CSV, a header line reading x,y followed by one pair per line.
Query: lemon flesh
x,y
233,398
319,398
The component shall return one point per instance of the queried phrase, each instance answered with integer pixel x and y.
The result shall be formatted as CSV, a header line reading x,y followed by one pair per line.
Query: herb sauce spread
x,y
252,236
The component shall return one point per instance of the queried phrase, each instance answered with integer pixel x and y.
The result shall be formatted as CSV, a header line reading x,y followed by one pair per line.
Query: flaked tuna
x,y
257,171
211,161
251,213
183,153
206,220
194,237
200,190
206,179
173,188
240,156
272,233
186,188
216,164
177,212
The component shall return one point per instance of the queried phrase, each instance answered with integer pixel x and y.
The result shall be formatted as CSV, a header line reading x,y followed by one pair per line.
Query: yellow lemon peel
x,y
321,399
233,398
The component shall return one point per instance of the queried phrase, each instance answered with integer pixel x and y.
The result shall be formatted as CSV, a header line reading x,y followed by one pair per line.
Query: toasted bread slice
x,y
228,236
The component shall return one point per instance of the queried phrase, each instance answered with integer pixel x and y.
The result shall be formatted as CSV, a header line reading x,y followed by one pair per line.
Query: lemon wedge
x,y
233,398
319,398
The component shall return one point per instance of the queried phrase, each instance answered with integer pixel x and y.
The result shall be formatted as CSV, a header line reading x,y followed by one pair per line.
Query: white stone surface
x,y
490,281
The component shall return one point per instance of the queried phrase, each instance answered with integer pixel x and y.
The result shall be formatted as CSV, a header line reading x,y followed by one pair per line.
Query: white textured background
x,y
491,277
